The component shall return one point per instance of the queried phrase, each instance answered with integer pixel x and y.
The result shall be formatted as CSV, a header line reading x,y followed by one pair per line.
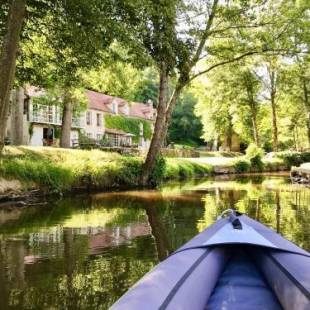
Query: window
x,y
99,120
116,140
89,135
88,118
35,112
99,137
113,139
50,114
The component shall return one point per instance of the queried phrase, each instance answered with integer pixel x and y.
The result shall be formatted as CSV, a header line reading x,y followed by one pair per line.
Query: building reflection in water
x,y
85,253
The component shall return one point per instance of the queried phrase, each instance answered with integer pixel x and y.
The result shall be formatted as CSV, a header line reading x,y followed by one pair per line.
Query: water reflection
x,y
84,253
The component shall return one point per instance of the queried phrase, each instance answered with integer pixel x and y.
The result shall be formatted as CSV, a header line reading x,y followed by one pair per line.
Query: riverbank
x,y
55,170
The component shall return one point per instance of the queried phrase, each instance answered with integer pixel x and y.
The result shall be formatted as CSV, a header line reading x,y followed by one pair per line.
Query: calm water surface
x,y
85,252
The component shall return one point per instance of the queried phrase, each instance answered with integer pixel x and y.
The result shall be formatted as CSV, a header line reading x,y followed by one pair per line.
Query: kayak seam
x,y
201,247
183,279
290,276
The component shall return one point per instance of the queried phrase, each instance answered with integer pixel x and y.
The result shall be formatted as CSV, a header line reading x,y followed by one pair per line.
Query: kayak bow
x,y
236,263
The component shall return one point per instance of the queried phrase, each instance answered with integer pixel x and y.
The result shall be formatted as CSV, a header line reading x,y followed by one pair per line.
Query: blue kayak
x,y
236,263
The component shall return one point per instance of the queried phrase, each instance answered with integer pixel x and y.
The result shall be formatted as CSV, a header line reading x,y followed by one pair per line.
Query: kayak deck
x,y
237,263
242,286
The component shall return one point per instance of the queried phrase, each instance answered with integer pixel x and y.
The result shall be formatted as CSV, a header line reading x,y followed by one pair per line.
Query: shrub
x,y
242,165
129,172
85,142
294,158
255,155
177,168
157,175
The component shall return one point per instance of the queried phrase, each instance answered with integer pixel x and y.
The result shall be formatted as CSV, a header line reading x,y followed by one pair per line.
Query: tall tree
x,y
251,86
215,107
8,54
229,103
176,35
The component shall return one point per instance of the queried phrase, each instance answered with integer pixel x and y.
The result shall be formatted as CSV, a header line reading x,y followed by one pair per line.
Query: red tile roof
x,y
98,101
140,110
101,102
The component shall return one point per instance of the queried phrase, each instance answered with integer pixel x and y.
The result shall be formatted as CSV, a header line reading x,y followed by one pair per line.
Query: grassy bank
x,y
60,170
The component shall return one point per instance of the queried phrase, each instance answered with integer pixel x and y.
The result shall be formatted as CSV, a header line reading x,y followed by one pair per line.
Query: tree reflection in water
x,y
84,253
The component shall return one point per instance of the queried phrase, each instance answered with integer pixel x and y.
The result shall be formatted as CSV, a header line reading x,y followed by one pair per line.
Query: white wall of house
x,y
37,136
74,136
94,124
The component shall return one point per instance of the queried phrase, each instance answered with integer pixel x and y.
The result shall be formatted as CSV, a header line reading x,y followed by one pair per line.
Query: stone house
x,y
35,124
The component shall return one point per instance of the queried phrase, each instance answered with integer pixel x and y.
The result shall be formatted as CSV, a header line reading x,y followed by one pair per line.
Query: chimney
x,y
149,103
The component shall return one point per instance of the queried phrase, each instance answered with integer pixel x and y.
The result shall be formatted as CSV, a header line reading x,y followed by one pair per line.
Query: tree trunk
x,y
159,233
297,139
308,129
69,265
253,108
66,121
159,138
272,77
158,134
274,125
229,134
294,135
9,49
255,128
307,106
19,116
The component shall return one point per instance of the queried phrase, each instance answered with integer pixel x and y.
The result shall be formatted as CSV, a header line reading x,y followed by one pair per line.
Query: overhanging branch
x,y
237,58
249,53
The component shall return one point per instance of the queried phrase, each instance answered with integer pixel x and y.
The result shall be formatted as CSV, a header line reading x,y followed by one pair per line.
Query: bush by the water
x,y
242,165
294,158
184,168
255,155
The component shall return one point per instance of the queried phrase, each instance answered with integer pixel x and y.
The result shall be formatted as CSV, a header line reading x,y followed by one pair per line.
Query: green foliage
x,y
182,168
228,103
158,172
57,132
147,87
255,155
242,165
294,158
129,124
85,141
114,78
185,126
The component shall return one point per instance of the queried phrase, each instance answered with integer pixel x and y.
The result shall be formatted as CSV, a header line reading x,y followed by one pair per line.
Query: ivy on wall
x,y
129,124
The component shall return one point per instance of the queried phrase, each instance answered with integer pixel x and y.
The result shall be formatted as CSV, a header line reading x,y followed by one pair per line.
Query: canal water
x,y
85,252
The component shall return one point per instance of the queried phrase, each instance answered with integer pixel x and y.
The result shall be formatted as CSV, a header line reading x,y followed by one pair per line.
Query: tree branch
x,y
240,27
205,34
249,53
237,58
